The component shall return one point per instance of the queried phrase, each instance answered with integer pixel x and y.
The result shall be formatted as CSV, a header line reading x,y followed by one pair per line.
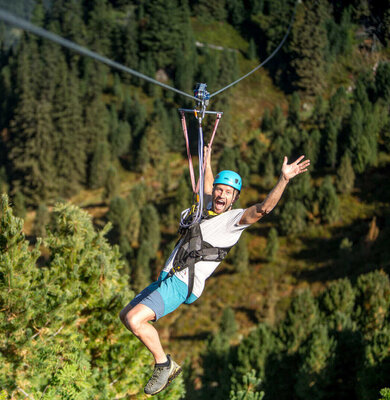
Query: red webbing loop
x,y
190,165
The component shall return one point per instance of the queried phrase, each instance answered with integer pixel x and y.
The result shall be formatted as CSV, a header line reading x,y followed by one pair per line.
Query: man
x,y
221,231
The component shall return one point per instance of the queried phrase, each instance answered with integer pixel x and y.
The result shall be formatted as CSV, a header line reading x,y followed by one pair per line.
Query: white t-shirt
x,y
222,230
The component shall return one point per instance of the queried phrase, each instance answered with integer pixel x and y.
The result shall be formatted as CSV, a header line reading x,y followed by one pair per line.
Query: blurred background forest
x,y
300,309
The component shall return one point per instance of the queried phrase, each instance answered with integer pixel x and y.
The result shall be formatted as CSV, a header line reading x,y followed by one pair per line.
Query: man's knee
x,y
123,316
132,320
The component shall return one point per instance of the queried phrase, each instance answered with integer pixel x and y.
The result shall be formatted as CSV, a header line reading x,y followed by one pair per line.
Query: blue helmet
x,y
229,178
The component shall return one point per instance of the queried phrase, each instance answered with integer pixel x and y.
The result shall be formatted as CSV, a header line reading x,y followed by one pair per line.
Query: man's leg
x,y
136,319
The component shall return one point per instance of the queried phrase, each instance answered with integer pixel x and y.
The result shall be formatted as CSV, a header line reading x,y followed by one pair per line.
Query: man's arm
x,y
208,173
254,213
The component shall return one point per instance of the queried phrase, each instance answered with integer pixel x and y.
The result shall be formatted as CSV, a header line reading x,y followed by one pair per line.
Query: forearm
x,y
273,197
254,213
208,180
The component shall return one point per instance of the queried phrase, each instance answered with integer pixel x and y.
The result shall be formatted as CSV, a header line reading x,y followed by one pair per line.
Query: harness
x,y
194,249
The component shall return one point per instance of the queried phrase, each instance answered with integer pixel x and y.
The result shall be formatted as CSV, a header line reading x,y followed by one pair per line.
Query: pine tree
x,y
319,112
252,51
372,301
331,135
241,255
63,314
142,272
315,373
112,183
358,143
272,244
293,217
308,44
249,389
99,166
382,79
293,117
212,10
256,155
227,160
269,172
150,229
68,122
329,202
312,146
301,319
345,175
41,221
31,148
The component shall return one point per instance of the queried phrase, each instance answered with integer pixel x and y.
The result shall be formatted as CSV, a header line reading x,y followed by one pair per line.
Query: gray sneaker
x,y
162,377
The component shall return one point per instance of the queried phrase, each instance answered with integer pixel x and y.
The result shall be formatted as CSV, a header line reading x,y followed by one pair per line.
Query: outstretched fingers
x,y
299,159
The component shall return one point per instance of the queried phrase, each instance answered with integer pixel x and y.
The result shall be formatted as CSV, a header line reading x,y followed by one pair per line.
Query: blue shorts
x,y
164,295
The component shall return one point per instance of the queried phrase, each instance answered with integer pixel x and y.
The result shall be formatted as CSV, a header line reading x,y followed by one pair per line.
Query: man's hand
x,y
294,169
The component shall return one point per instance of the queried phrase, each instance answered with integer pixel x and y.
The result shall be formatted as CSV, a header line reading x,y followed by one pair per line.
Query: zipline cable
x,y
266,60
9,18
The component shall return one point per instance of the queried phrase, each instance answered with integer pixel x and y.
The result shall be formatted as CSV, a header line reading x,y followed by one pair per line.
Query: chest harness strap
x,y
194,249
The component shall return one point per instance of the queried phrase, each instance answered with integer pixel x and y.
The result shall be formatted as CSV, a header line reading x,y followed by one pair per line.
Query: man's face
x,y
223,198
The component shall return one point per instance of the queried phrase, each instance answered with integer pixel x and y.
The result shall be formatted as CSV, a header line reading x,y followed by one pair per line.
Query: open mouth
x,y
219,204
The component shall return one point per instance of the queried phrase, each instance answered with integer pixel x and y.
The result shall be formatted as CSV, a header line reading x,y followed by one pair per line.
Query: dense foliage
x,y
71,128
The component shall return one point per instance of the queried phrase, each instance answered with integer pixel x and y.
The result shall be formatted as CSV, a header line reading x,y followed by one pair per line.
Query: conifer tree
x,y
337,304
142,271
308,44
99,166
319,112
329,202
301,318
31,148
42,219
382,80
372,301
112,183
150,229
252,53
227,160
345,175
257,154
269,172
249,389
339,107
331,135
63,315
266,122
293,217
315,374
228,323
293,117
358,143
312,146
272,244
241,255
71,143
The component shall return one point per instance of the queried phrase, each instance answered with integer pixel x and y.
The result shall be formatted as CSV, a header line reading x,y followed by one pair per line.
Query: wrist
x,y
284,179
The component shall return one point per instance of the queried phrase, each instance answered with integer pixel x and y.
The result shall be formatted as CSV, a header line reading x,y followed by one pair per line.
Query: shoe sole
x,y
177,371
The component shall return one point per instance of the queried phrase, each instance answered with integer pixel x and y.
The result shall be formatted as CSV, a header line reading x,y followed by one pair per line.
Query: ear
x,y
236,195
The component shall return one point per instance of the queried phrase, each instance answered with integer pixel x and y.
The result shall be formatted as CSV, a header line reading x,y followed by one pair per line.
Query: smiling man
x,y
195,257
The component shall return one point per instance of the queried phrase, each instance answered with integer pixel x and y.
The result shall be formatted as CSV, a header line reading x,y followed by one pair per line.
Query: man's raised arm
x,y
289,171
208,173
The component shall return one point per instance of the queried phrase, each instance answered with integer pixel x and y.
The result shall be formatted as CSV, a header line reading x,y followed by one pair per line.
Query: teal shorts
x,y
164,295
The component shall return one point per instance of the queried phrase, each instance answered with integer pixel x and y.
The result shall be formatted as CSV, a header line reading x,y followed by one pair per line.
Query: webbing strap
x,y
190,165
209,145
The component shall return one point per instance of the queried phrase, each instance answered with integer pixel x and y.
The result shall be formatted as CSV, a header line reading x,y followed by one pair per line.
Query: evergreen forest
x,y
94,176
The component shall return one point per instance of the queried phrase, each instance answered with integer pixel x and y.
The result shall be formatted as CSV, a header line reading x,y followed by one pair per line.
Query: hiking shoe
x,y
162,377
